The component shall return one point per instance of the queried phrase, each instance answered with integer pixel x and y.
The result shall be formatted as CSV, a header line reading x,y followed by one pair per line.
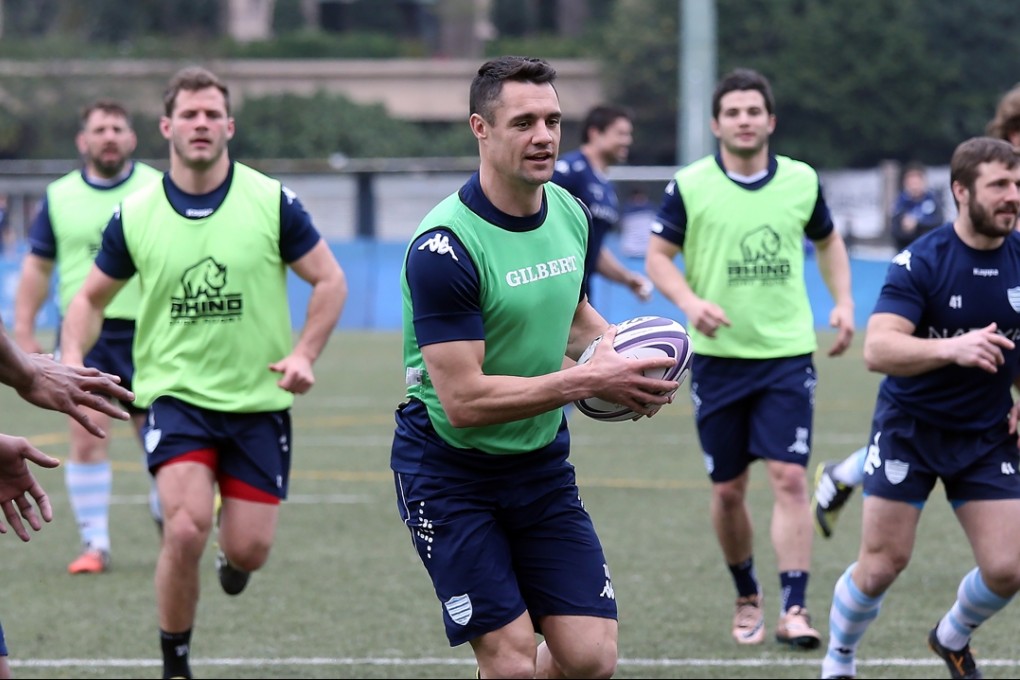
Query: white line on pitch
x,y
435,661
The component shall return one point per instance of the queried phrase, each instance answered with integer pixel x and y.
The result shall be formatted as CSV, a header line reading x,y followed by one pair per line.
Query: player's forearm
x,y
324,308
16,368
80,330
899,354
670,281
608,266
834,266
29,298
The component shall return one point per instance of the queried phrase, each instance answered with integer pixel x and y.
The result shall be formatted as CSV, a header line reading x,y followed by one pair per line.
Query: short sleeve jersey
x,y
743,249
69,229
946,288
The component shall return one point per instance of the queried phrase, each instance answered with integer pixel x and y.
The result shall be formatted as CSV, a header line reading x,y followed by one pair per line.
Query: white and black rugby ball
x,y
642,337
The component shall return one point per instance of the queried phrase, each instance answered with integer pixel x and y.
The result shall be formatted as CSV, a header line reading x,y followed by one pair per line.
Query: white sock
x,y
89,486
850,470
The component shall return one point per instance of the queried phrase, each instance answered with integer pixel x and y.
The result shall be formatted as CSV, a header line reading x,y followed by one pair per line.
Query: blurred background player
x,y
917,209
64,238
945,412
1006,122
217,367
606,136
740,218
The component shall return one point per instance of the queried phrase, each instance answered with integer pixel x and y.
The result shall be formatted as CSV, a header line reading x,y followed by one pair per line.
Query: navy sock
x,y
744,578
794,588
176,649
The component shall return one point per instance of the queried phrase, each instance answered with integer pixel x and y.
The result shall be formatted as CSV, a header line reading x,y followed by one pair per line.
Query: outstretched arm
x,y
51,385
18,486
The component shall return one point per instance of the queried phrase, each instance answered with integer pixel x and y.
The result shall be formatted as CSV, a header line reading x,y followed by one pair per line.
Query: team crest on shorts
x,y
152,437
459,609
896,470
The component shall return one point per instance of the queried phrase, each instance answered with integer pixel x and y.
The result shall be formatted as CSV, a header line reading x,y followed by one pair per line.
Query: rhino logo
x,y
762,244
205,278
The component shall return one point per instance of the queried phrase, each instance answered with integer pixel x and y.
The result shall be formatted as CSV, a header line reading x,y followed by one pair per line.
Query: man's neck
x,y
518,199
199,181
745,165
95,178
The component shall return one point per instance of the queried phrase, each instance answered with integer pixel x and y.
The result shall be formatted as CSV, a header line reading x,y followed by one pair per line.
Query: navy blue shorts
x,y
112,354
254,448
746,409
907,456
502,535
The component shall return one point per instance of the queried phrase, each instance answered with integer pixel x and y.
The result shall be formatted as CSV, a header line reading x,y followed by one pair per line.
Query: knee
x,y
790,483
1002,578
508,666
728,495
251,555
182,534
599,662
595,657
873,577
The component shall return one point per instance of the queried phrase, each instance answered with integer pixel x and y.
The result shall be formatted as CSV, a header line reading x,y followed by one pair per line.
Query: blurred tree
x,y
976,47
849,79
288,126
640,57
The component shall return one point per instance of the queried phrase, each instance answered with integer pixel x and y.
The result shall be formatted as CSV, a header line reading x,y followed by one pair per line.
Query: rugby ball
x,y
642,337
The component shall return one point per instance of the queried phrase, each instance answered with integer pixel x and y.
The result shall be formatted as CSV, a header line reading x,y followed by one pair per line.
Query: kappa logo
x,y
800,443
1008,469
873,459
440,245
202,285
902,259
607,590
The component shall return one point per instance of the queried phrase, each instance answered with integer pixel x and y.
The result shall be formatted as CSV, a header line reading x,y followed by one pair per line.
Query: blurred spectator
x,y
1006,123
918,209
636,223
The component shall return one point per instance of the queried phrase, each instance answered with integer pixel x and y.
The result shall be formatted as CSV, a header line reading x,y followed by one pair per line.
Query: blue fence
x,y
373,272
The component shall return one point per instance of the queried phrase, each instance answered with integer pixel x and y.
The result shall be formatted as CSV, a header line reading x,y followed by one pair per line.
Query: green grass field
x,y
344,595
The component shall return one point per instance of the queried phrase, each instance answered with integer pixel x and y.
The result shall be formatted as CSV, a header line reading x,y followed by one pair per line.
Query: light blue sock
x,y
89,486
974,605
850,615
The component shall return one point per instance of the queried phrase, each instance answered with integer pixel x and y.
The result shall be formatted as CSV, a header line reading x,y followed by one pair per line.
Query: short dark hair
x,y
488,83
743,79
914,166
963,167
192,79
109,106
602,116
